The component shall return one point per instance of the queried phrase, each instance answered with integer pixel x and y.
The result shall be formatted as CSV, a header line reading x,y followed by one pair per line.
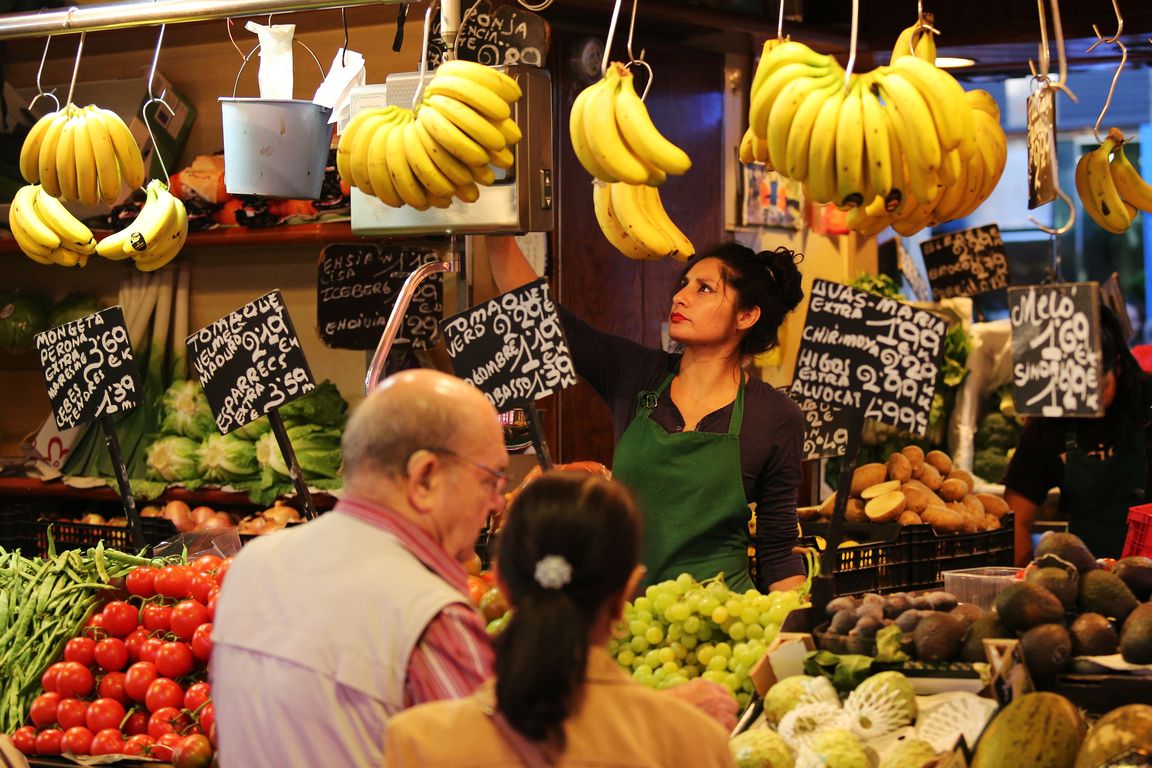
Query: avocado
x,y
987,626
1136,572
967,613
1093,635
1047,649
1062,583
1105,593
938,637
1022,606
1136,636
1067,546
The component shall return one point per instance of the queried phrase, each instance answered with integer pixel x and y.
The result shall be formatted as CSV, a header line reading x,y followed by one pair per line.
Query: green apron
x,y
690,490
1098,493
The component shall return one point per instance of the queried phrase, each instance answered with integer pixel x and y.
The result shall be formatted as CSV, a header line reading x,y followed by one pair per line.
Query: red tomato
x,y
108,742
174,659
163,693
137,723
202,642
111,686
111,654
167,720
48,742
201,585
196,696
71,713
139,581
207,563
164,746
79,650
24,738
172,581
137,679
120,618
156,617
77,740
134,641
192,752
105,713
222,571
207,721
149,648
187,615
74,680
211,605
139,744
94,627
43,709
48,679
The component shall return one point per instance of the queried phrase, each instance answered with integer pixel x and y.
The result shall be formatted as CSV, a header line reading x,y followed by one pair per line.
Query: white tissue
x,y
275,59
346,72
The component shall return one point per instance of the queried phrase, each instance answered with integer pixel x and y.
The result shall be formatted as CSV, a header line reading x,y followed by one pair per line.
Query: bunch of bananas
x,y
1112,192
633,219
157,234
901,146
444,149
46,231
82,154
613,135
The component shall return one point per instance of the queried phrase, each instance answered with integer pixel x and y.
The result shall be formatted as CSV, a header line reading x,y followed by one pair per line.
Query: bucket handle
x,y
236,85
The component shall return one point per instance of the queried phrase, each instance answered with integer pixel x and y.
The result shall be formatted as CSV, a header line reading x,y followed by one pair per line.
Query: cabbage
x,y
253,430
73,307
317,451
224,458
173,459
185,411
323,406
21,317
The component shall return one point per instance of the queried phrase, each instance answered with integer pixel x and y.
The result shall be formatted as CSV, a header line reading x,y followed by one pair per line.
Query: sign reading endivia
x,y
512,347
875,355
1056,369
89,368
250,362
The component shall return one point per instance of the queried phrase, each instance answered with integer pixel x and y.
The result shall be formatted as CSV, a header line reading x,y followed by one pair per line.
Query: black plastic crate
x,y
17,528
75,535
955,551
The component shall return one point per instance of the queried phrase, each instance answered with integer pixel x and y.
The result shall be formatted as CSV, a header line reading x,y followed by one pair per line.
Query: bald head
x,y
411,410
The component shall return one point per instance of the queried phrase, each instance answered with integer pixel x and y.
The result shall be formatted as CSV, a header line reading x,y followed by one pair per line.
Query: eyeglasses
x,y
500,478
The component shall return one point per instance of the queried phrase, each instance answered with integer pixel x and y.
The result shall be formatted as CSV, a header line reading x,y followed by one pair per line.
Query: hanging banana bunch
x,y
633,219
1111,190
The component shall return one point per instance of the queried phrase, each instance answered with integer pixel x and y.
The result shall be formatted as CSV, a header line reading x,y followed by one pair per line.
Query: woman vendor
x,y
697,440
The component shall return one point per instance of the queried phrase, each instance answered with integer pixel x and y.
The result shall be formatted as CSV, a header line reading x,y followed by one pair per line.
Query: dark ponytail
x,y
770,280
568,546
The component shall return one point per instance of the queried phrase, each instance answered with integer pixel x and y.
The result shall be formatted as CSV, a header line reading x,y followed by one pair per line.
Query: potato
x,y
974,505
953,490
960,474
993,505
972,525
991,523
940,460
933,497
867,475
899,468
828,507
943,519
855,512
885,507
908,517
918,496
879,489
802,513
914,454
931,476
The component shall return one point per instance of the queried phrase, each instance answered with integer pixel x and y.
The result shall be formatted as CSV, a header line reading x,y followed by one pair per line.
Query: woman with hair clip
x,y
1099,464
567,560
698,439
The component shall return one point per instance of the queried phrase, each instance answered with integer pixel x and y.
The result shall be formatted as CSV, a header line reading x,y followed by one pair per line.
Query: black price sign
x,y
1056,349
966,263
1041,147
826,429
89,367
250,362
512,347
875,355
356,289
505,35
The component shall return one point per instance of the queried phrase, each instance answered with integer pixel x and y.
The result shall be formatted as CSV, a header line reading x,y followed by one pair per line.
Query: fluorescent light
x,y
953,62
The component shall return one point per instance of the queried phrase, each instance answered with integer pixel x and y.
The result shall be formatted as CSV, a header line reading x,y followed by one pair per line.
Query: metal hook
x,y
631,28
39,88
424,53
780,23
611,36
1115,39
76,66
1045,57
344,48
641,63
852,45
231,39
1064,227
153,99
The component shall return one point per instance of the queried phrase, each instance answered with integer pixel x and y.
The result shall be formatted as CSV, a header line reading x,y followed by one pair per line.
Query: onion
x,y
202,513
180,515
151,511
216,521
92,519
118,522
281,513
253,524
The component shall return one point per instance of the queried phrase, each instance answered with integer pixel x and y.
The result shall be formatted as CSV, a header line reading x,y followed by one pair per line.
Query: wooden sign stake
x,y
536,432
285,444
135,527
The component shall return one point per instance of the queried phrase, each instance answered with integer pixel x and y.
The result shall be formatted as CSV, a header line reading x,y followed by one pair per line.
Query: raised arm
x,y
510,269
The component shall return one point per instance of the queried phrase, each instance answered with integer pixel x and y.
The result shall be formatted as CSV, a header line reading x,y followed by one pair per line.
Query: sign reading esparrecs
x,y
872,354
89,368
250,362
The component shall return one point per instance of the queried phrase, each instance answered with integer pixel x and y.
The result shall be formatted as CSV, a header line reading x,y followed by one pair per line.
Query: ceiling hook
x,y
611,35
432,6
76,66
40,92
1066,226
632,28
1115,40
153,99
780,22
852,46
344,48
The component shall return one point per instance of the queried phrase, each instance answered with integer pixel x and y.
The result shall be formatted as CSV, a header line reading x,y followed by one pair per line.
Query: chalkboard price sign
x,y
250,362
1056,349
89,368
966,263
356,289
512,347
825,428
498,36
875,355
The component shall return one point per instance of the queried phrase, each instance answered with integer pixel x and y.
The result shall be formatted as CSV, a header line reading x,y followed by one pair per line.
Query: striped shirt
x,y
454,655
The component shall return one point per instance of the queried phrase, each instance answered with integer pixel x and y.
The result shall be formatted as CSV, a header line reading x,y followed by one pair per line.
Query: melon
x,y
1038,730
1118,731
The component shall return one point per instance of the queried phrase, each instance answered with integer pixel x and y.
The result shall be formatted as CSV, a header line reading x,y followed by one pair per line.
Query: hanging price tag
x,y
1041,147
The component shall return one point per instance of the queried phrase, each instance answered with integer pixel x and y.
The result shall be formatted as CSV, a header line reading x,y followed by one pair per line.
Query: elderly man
x,y
323,632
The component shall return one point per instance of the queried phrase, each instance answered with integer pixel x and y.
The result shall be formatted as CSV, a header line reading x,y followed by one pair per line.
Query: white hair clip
x,y
553,572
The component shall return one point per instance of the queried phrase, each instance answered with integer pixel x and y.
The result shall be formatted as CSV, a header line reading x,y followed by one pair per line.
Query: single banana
x,y
909,116
484,76
763,100
952,199
926,46
945,98
983,101
649,197
49,179
436,201
917,217
87,182
641,134
1098,192
821,184
452,138
127,150
633,214
74,235
783,111
399,170
1132,188
33,235
32,249
510,131
104,154
66,258
781,53
156,219
876,139
348,139
170,243
950,165
579,141
448,164
380,184
800,131
429,175
483,175
896,194
30,149
905,43
850,163
602,133
468,120
112,246
368,146
468,192
992,146
975,174
610,224
503,159
746,153
66,160
468,92
760,152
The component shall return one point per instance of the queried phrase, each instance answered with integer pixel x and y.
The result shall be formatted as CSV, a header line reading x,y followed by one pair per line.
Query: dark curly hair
x,y
769,280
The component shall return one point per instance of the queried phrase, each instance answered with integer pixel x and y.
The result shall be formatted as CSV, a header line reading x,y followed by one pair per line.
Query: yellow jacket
x,y
616,722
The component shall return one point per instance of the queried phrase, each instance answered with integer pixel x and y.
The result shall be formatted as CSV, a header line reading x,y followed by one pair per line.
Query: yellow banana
x,y
502,159
169,244
649,198
401,173
73,234
1132,188
468,192
483,175
33,235
952,199
783,111
368,147
468,120
992,145
781,53
1098,192
437,201
66,258
104,155
49,178
127,150
603,133
469,93
510,131
639,132
87,183
896,194
348,139
917,217
486,77
448,164
877,152
434,181
975,173
763,100
926,46
31,249
66,161
945,98
380,184
30,149
905,43
850,163
610,224
580,144
983,101
632,212
156,219
760,152
800,131
822,150
746,153
950,165
918,140
452,138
